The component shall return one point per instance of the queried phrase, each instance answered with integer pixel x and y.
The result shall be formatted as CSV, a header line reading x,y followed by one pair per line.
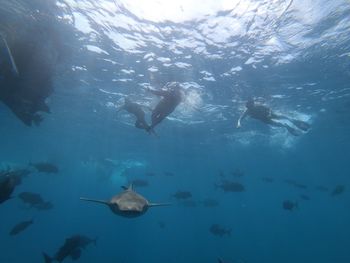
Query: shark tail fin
x,y
95,200
47,258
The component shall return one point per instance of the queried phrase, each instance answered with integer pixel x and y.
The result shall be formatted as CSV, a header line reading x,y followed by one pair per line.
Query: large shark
x,y
127,203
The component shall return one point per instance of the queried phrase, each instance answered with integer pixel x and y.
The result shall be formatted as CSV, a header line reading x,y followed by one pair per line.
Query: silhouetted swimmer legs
x,y
290,129
302,125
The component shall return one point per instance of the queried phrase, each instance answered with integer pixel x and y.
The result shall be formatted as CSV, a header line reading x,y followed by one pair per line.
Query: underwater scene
x,y
213,131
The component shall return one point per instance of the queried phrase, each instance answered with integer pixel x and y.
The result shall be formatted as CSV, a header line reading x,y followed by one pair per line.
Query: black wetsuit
x,y
262,113
135,109
265,114
171,99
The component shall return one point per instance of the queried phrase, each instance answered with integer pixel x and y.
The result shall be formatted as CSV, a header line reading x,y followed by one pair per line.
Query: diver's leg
x,y
291,130
138,124
156,119
159,113
302,125
275,116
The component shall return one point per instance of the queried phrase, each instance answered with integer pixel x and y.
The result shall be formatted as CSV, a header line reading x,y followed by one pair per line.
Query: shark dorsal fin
x,y
129,188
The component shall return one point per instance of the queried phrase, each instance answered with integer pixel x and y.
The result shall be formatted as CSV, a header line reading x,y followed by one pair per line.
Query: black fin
x,y
302,125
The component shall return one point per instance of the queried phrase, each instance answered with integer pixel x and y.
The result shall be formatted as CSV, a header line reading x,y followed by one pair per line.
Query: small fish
x,y
150,174
218,230
140,183
289,205
71,248
31,198
182,195
229,186
268,179
20,227
45,167
161,224
35,200
339,189
295,184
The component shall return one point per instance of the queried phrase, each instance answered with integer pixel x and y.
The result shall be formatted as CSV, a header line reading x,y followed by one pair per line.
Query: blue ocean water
x,y
293,56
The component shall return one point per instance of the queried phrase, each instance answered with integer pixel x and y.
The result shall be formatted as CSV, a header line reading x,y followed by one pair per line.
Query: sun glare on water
x,y
180,10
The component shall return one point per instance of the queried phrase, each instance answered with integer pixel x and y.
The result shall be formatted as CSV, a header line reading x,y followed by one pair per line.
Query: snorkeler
x,y
136,109
266,115
171,98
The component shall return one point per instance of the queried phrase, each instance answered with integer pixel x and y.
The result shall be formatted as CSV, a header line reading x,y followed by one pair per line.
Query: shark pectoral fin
x,y
94,200
159,204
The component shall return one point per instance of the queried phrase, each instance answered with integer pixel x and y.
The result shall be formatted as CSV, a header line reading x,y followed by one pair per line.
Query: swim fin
x,y
302,125
293,131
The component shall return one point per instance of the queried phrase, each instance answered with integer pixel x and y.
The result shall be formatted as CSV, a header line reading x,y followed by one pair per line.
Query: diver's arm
x,y
245,113
161,93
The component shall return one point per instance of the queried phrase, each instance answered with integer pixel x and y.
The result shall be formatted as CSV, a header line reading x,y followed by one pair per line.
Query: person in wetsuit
x,y
266,115
171,98
136,109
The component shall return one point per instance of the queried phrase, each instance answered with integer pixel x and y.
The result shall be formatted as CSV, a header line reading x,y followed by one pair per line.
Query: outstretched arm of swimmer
x,y
161,92
245,113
